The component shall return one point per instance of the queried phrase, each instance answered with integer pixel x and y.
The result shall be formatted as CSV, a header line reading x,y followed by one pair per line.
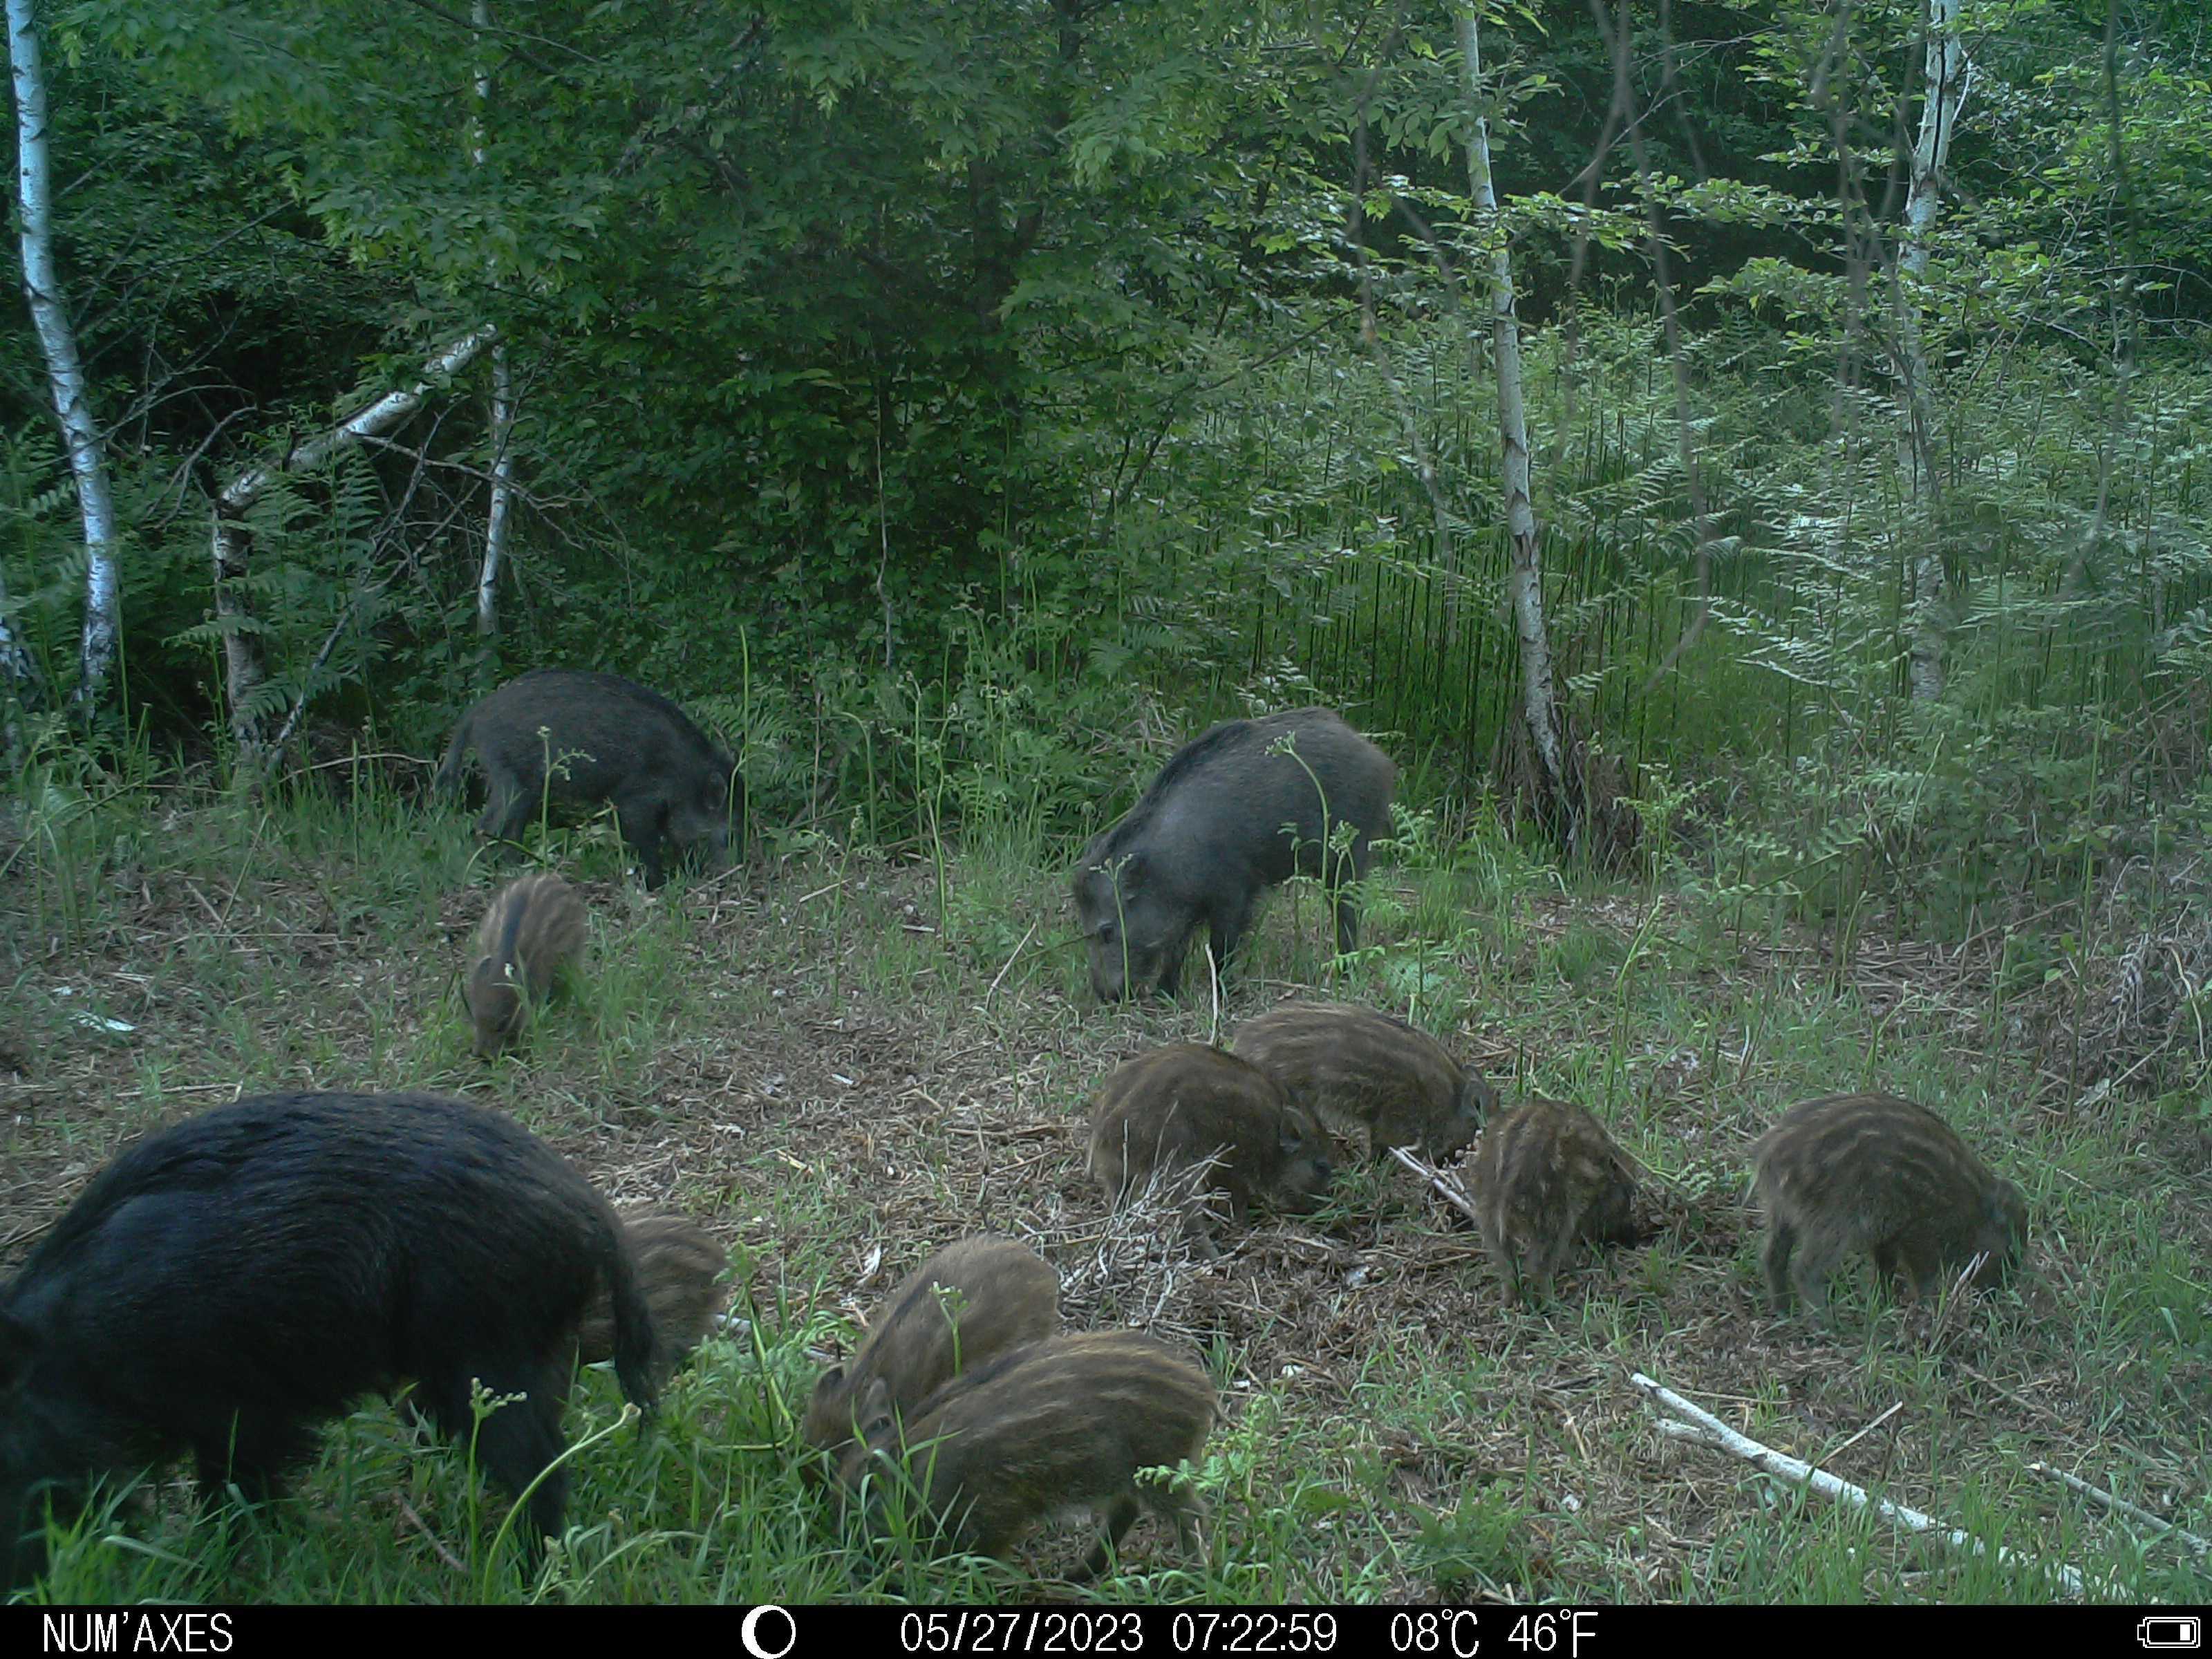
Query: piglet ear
x,y
19,1343
1126,871
874,1417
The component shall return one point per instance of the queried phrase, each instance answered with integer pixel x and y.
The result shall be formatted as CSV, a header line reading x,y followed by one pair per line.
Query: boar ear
x,y
18,1342
874,1417
826,1384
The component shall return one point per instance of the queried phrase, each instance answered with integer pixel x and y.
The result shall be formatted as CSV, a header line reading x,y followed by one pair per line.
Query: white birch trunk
x,y
502,494
230,543
1524,582
64,370
1944,74
502,396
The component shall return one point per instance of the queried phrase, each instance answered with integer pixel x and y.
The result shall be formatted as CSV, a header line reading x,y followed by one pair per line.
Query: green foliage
x,y
954,402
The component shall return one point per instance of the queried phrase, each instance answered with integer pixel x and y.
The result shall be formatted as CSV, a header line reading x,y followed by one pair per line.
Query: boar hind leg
x,y
521,1439
1889,1266
1343,870
1347,924
1781,1241
1188,1511
1120,1514
250,1456
506,810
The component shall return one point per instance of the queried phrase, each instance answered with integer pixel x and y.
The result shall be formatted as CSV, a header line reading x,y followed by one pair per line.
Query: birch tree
x,y
1524,579
502,384
231,541
64,370
1944,75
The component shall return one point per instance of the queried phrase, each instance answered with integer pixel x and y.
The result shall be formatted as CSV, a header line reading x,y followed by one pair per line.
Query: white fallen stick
x,y
1452,1192
2164,1528
1703,1426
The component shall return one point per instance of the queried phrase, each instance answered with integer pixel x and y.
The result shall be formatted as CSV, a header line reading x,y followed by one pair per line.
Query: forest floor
x,y
838,1062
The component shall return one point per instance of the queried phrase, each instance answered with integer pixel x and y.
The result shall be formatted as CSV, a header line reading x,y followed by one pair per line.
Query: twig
x,y
356,760
1704,1427
436,1542
1839,1450
2013,1395
1009,967
1452,1193
24,1235
2134,1512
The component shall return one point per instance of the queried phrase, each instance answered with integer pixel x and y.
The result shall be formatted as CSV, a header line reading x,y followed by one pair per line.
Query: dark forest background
x,y
951,401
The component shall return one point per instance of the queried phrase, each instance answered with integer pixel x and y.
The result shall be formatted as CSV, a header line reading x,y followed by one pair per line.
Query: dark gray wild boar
x,y
1546,1174
226,1285
1349,1062
1842,1173
533,928
680,1265
1208,837
1178,1106
1043,1427
968,1303
610,741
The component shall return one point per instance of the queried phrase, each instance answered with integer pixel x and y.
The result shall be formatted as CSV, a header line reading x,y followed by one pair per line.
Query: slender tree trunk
x,y
232,544
1524,582
19,683
2117,431
503,397
502,494
1944,76
241,649
64,370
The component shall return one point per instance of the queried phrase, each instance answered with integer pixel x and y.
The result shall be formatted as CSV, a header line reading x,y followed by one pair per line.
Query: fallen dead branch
x,y
1447,1186
2121,1506
1138,1267
1701,1426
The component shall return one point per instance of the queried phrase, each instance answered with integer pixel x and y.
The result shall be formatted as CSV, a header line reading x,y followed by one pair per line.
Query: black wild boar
x,y
1875,1173
225,1284
608,740
1546,1174
533,929
1179,1106
1345,1061
970,1301
1043,1427
680,1267
1209,836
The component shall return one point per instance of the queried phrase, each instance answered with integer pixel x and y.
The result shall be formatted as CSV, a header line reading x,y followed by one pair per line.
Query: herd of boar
x,y
226,1284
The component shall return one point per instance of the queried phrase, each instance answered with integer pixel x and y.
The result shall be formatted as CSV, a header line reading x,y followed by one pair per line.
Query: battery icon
x,y
2171,1630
